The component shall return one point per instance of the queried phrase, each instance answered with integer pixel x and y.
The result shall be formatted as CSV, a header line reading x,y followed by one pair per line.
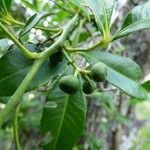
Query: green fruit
x,y
56,57
69,84
88,87
99,72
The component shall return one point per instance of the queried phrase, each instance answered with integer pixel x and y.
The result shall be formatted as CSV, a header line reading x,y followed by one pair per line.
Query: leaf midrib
x,y
125,77
61,122
105,14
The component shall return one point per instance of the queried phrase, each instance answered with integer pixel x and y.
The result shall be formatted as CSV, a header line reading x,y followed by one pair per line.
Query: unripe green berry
x,y
69,84
88,87
99,72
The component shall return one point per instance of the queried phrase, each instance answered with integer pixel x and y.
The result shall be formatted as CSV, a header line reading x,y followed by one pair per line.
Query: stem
x,y
15,98
15,127
99,44
106,25
52,38
87,77
5,21
63,36
56,35
25,51
48,14
38,27
79,70
48,29
70,61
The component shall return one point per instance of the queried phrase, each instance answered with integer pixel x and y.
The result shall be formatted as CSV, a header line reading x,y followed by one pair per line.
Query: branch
x,y
15,127
15,98
61,39
97,45
25,51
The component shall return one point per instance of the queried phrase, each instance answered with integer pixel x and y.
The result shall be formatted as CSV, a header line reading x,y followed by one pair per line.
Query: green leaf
x,y
4,100
82,5
2,34
5,5
137,19
146,85
135,101
126,84
109,7
102,10
122,72
14,66
124,65
65,122
31,22
8,4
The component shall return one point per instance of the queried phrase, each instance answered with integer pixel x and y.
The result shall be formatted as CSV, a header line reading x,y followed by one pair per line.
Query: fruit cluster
x,y
70,84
